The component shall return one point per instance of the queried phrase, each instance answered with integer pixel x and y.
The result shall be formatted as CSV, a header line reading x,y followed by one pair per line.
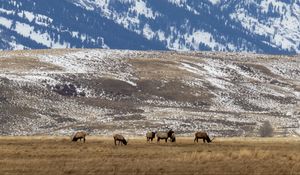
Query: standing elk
x,y
150,136
121,140
79,135
204,136
166,135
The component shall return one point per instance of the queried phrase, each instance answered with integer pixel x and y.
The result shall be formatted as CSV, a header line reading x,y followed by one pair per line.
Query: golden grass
x,y
58,155
40,52
156,68
21,64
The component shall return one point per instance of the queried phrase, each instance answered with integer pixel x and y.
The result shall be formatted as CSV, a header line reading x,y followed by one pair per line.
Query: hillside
x,y
266,26
106,91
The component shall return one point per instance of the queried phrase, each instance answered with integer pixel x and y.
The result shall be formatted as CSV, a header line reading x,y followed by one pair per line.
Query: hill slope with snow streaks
x,y
106,91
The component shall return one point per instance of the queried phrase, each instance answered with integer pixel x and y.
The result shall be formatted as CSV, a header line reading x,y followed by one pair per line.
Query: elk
x,y
121,140
166,135
173,138
79,135
150,136
202,135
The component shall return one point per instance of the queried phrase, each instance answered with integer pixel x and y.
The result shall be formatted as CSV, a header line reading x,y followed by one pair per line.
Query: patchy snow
x,y
202,37
191,68
43,38
215,1
177,2
5,22
17,46
8,12
136,9
280,29
283,29
141,8
226,98
103,62
28,31
183,3
147,32
28,15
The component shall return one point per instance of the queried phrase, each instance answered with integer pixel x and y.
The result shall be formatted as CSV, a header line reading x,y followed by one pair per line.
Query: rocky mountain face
x,y
131,92
267,26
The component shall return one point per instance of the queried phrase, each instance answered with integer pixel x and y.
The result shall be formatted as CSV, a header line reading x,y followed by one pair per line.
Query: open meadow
x,y
45,155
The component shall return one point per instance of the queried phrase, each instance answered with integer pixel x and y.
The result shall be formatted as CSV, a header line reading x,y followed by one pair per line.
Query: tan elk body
x,y
165,135
78,136
120,139
150,136
202,135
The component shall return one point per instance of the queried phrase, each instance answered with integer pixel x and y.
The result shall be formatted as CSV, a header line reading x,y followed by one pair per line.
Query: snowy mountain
x,y
265,26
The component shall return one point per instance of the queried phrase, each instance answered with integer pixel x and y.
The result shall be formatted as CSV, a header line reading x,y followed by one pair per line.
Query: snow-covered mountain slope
x,y
60,24
277,19
267,26
106,91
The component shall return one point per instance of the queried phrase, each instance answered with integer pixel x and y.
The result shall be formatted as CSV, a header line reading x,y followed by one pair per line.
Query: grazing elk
x,y
202,135
173,138
121,140
150,136
166,135
79,135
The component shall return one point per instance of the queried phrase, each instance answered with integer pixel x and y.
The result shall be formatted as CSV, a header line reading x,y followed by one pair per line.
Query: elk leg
x,y
203,140
166,140
195,139
115,142
83,139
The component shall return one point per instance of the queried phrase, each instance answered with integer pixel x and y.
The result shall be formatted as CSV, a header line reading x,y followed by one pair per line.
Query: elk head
x,y
212,139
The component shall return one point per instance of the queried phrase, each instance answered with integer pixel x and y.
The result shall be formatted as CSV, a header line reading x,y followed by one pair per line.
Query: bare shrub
x,y
266,130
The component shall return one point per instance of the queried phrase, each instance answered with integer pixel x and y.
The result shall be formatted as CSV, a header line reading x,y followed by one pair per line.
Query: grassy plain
x,y
44,155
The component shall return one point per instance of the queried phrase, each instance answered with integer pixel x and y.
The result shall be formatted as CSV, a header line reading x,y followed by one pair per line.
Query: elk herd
x,y
169,135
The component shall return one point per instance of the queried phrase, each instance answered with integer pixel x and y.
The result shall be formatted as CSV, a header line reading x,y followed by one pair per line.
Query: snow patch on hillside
x,y
5,22
215,1
103,62
283,29
135,10
29,31
202,37
43,38
183,4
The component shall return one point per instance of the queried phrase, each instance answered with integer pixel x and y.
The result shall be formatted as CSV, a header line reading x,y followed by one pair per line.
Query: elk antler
x,y
213,138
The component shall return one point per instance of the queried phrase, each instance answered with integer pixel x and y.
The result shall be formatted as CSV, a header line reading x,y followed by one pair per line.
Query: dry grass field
x,y
58,155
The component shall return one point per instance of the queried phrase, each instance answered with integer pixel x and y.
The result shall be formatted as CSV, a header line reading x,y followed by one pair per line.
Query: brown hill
x,y
106,91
